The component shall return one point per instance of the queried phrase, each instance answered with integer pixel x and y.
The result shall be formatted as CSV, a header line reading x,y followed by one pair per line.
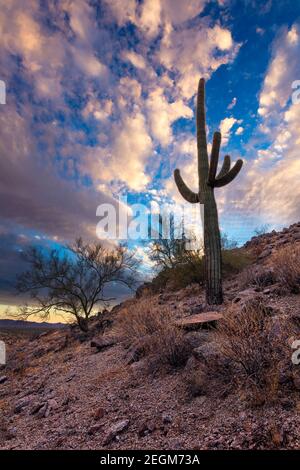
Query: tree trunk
x,y
212,249
83,324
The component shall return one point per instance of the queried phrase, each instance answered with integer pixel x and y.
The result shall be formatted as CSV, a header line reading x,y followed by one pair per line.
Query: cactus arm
x,y
201,133
228,177
214,158
185,192
225,167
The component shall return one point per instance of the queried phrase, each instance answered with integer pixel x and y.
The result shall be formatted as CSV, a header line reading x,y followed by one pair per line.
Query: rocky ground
x,y
61,390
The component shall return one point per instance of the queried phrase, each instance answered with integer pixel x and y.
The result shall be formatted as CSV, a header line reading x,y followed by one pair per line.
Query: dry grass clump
x,y
213,378
249,352
286,264
256,344
257,276
150,328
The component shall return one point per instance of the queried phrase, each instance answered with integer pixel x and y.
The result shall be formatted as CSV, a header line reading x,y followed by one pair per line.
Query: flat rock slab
x,y
204,320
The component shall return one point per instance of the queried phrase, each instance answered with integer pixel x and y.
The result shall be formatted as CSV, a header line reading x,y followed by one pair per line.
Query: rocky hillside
x,y
267,243
148,376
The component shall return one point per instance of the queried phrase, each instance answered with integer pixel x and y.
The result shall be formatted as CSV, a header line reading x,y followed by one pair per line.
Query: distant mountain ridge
x,y
24,324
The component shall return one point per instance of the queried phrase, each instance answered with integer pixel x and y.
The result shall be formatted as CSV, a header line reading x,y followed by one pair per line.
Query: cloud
x,y
88,63
195,52
99,109
268,185
232,104
284,68
162,114
151,15
90,112
136,60
123,12
225,128
34,196
125,159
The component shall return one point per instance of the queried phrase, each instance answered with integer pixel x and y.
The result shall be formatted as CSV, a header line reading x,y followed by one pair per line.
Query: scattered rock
x,y
166,418
71,377
95,428
36,408
191,365
206,352
44,411
265,253
52,404
116,429
277,436
21,404
100,412
147,427
245,295
102,343
135,352
196,309
3,379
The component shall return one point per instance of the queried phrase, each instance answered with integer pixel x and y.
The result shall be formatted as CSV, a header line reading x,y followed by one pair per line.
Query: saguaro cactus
x,y
207,182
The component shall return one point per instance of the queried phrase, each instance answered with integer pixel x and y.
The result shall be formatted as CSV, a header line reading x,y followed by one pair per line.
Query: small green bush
x,y
234,261
192,271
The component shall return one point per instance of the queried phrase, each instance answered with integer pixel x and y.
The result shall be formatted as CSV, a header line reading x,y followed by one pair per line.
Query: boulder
x,y
296,236
102,343
203,320
245,295
266,252
207,352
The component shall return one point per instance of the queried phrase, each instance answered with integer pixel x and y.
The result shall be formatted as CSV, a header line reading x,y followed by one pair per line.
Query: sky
x,y
100,102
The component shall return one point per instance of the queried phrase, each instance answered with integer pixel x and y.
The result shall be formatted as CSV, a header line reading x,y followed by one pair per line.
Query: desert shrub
x,y
139,321
256,276
180,275
186,274
286,264
213,378
234,261
256,344
192,271
152,328
262,229
168,347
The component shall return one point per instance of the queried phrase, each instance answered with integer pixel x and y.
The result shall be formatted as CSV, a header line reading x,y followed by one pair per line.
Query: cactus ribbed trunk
x,y
212,239
212,252
207,182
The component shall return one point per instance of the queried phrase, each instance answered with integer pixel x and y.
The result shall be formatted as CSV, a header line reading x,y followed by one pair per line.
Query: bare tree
x,y
73,282
167,253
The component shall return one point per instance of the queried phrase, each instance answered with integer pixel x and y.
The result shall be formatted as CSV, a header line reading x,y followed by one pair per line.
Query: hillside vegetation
x,y
149,375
